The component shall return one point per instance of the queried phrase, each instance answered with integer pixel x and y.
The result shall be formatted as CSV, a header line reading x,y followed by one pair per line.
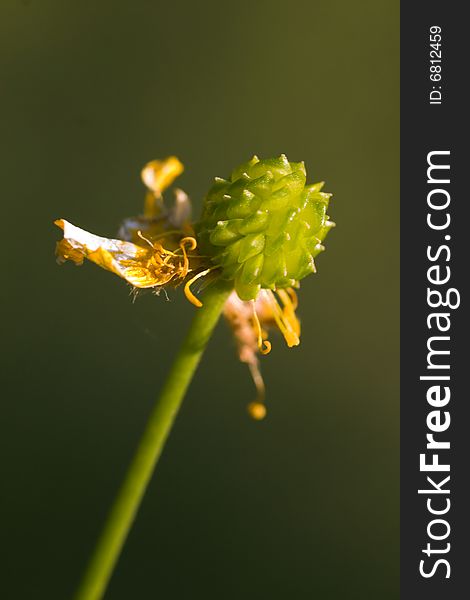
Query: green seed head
x,y
264,226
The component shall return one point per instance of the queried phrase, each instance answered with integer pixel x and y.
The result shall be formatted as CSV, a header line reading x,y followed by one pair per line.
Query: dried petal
x,y
157,175
142,266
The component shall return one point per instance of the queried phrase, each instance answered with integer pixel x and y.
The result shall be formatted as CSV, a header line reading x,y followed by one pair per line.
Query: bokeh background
x,y
302,505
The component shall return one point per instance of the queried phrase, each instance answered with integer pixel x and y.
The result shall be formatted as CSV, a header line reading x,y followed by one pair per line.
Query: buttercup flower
x,y
260,229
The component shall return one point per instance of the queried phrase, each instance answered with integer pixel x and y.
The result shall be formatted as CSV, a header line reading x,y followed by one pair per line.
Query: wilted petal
x,y
179,214
157,175
168,222
143,267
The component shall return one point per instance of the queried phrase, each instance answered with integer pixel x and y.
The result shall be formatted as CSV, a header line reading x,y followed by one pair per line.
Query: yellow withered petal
x,y
157,175
142,266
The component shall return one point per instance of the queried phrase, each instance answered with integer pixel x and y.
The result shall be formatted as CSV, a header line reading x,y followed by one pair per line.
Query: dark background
x,y
302,505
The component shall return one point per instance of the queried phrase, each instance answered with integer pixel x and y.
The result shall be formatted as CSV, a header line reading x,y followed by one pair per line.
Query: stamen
x,y
283,321
165,251
257,408
192,246
284,296
258,381
191,240
289,312
187,288
264,346
293,297
142,237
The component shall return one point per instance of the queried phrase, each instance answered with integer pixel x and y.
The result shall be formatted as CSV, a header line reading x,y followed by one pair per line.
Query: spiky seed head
x,y
264,226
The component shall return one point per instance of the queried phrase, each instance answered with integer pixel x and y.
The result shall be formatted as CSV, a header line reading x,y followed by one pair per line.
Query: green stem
x,y
150,447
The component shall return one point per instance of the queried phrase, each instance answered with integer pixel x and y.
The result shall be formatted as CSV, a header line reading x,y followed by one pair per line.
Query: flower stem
x,y
151,444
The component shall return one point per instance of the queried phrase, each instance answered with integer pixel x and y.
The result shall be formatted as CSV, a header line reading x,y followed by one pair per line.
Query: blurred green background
x,y
302,505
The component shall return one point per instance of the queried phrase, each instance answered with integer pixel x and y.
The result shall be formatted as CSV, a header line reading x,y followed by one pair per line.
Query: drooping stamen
x,y
264,346
293,297
289,311
257,408
192,246
187,288
283,321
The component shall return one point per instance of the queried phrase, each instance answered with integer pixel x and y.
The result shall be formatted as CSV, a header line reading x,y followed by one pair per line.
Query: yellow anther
x,y
256,410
